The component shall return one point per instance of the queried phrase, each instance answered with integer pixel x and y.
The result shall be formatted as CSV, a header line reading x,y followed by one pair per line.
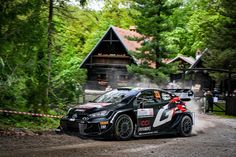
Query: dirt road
x,y
212,136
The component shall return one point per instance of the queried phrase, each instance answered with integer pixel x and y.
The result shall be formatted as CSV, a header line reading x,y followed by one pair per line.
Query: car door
x,y
149,102
164,114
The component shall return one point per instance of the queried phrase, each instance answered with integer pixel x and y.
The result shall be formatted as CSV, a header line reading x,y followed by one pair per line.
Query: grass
x,y
25,122
219,112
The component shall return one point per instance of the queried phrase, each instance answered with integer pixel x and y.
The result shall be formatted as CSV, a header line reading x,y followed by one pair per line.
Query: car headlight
x,y
99,114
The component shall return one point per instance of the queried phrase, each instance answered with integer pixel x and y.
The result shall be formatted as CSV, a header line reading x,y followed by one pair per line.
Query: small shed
x,y
184,63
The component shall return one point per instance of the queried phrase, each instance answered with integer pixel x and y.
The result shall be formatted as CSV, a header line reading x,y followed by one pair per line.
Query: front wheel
x,y
124,127
185,127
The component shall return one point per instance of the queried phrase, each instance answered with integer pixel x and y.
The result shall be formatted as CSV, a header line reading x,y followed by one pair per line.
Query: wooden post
x,y
50,32
184,70
228,102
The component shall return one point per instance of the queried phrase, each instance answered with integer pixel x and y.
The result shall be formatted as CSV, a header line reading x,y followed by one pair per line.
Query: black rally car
x,y
127,112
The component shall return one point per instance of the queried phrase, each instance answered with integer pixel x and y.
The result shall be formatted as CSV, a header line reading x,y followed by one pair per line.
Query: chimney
x,y
198,54
133,28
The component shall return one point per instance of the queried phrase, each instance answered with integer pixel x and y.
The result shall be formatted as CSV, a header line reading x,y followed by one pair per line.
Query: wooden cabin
x,y
184,63
201,78
106,63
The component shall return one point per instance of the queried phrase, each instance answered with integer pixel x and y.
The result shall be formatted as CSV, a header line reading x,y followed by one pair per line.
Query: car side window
x,y
149,98
146,96
165,96
157,95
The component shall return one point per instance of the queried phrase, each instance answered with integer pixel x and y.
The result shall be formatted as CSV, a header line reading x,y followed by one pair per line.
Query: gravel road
x,y
212,137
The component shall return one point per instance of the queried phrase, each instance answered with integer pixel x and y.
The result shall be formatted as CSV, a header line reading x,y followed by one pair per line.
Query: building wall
x,y
99,78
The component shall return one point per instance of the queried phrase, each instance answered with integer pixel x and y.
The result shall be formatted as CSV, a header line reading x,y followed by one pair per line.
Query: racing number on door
x,y
168,116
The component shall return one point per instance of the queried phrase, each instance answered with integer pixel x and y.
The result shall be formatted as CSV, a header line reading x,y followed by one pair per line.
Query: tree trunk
x,y
50,32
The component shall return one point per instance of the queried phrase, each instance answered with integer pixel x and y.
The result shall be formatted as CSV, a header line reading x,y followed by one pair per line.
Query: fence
x,y
231,106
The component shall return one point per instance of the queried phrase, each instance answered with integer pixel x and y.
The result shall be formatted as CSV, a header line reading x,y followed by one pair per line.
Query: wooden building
x,y
196,79
200,78
106,63
184,63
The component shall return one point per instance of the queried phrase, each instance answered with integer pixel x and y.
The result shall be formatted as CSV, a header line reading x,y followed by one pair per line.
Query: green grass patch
x,y
218,111
8,121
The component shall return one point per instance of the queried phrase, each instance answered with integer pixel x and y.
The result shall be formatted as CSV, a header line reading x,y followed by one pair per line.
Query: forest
x,y
43,42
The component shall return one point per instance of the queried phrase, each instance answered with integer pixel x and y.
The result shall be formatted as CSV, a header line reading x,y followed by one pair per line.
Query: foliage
x,y
67,78
24,58
223,39
169,27
29,123
20,52
152,22
24,50
114,13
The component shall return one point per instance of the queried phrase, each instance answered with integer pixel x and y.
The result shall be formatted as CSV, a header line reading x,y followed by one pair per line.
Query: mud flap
x,y
193,118
82,127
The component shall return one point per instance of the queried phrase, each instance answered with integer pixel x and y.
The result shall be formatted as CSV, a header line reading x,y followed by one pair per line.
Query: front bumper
x,y
95,127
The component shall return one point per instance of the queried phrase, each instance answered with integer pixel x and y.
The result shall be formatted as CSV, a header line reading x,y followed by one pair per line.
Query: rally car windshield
x,y
114,96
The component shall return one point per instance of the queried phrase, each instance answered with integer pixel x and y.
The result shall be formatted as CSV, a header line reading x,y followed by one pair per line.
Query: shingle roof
x,y
189,60
198,59
124,34
131,45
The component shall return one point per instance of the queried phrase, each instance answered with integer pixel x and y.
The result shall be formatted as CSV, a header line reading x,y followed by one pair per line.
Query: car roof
x,y
140,89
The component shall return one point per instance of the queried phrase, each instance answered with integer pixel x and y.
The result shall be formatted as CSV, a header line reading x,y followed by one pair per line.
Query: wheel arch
x,y
128,112
179,118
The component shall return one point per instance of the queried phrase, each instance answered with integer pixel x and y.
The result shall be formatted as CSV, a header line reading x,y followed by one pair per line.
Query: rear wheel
x,y
185,127
124,127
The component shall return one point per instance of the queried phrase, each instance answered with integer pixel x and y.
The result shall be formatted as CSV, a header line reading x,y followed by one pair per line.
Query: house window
x,y
123,77
101,77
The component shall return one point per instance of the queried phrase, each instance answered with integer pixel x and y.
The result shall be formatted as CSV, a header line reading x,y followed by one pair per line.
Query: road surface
x,y
212,136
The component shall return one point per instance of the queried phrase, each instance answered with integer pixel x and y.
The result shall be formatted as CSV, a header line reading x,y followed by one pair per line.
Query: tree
x,y
152,22
222,46
19,51
116,13
24,56
70,36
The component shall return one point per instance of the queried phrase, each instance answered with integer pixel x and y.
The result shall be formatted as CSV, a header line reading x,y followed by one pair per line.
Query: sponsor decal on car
x,y
144,129
148,133
144,123
163,112
145,112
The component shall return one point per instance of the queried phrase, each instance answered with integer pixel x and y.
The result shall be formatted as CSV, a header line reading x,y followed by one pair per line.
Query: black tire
x,y
185,126
123,128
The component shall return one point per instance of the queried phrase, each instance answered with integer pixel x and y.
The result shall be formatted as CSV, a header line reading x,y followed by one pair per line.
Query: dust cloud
x,y
142,81
201,122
